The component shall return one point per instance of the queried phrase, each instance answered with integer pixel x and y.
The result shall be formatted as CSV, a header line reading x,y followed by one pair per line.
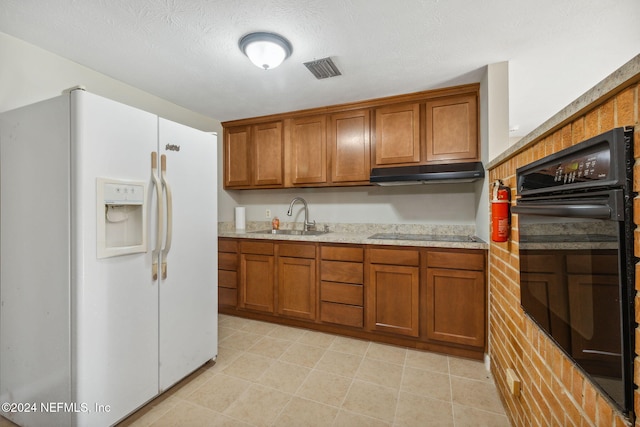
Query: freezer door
x,y
188,293
114,300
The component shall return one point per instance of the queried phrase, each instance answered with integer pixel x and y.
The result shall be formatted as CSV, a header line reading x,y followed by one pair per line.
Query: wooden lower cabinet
x,y
342,285
393,297
227,272
432,299
297,281
455,300
257,268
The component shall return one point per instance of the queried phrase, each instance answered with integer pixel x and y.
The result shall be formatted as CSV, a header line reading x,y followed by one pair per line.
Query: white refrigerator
x,y
108,259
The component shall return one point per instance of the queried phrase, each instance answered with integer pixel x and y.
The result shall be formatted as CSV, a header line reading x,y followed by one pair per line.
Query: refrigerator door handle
x,y
160,219
169,235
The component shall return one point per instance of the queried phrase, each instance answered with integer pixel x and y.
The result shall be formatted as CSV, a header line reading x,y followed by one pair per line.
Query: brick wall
x,y
553,392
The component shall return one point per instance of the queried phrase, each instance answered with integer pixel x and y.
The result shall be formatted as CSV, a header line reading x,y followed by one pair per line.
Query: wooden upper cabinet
x,y
452,129
307,154
338,145
397,136
267,159
254,156
237,156
349,145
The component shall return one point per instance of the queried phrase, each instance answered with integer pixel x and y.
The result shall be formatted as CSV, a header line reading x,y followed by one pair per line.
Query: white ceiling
x,y
186,51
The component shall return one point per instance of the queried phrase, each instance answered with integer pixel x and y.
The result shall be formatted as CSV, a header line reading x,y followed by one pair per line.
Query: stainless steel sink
x,y
292,232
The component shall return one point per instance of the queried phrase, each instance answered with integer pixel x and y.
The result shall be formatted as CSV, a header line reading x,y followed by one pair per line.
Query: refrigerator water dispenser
x,y
122,217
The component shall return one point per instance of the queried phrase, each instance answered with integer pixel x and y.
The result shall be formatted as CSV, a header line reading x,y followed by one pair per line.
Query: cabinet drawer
x,y
227,261
227,296
225,245
342,314
345,272
342,293
260,248
342,254
457,260
227,279
394,257
297,250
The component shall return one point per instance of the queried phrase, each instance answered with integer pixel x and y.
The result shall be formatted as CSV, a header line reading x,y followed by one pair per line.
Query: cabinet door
x,y
256,282
237,157
297,287
308,154
349,144
456,306
267,147
393,299
397,134
452,129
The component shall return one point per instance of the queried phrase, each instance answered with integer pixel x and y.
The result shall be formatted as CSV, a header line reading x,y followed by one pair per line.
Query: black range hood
x,y
427,174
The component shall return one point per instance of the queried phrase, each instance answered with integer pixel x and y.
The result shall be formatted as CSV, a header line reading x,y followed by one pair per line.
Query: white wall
x,y
416,204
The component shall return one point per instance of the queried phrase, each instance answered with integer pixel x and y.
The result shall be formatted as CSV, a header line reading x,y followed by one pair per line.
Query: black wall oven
x,y
576,256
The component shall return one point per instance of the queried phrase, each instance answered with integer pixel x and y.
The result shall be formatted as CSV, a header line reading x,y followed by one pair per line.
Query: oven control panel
x,y
602,161
586,168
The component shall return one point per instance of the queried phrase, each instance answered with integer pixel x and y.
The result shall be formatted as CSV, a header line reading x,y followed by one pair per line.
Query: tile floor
x,y
273,375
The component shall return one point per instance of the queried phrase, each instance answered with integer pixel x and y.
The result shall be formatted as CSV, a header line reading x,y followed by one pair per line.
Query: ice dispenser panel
x,y
121,214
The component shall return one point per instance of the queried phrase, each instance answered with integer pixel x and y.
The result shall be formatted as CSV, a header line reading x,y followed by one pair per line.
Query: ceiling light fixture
x,y
265,50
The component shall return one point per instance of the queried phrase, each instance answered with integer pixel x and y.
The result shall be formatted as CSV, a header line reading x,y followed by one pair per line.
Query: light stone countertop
x,y
359,234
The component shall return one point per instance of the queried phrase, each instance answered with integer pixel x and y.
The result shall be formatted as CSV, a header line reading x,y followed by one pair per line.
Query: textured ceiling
x,y
186,51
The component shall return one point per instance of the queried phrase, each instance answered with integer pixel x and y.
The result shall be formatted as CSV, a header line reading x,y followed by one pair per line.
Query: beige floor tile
x,y
286,333
301,354
325,388
248,366
467,368
274,375
387,353
429,361
240,340
420,411
381,373
317,339
191,383
302,412
371,400
466,416
226,355
224,332
344,364
219,392
257,327
258,405
426,383
285,377
350,419
349,345
478,394
232,322
188,414
270,347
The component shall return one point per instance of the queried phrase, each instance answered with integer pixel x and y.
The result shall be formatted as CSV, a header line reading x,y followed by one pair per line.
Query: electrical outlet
x,y
268,213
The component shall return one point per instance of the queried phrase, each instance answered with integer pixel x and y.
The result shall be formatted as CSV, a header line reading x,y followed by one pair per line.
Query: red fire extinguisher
x,y
500,216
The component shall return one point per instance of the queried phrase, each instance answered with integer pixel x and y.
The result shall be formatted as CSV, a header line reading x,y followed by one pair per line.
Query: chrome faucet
x,y
307,225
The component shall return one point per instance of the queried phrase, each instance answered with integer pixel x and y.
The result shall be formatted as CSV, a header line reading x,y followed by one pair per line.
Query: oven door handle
x,y
573,211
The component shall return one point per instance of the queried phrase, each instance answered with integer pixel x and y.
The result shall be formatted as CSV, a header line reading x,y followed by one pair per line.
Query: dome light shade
x,y
265,50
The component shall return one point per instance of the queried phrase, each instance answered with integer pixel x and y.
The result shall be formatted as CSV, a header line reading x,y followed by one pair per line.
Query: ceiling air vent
x,y
323,68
